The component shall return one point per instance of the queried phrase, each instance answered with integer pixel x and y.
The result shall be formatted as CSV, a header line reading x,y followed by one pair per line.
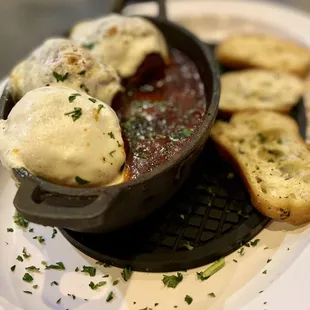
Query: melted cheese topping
x,y
120,41
63,63
59,140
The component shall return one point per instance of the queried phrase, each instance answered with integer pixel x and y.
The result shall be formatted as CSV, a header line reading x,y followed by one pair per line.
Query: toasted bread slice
x,y
258,89
273,161
266,52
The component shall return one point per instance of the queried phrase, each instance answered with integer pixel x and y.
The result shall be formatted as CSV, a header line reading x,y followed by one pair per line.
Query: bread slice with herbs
x,y
258,89
266,52
273,160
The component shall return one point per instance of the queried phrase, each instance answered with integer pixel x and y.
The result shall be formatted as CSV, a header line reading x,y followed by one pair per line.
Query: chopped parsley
x,y
126,274
20,221
172,281
28,292
43,263
92,100
57,266
90,46
75,114
54,283
241,252
94,286
90,270
76,269
105,276
72,296
30,230
110,297
265,248
82,73
27,277
235,260
54,233
32,268
10,230
182,134
39,238
211,294
118,144
111,153
13,268
265,272
260,292
255,242
35,286
115,282
59,77
81,181
214,268
111,135
269,260
58,301
25,254
188,299
188,246
73,96
19,258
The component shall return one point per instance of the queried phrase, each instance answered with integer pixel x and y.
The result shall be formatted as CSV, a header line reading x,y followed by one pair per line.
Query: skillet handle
x,y
119,5
77,212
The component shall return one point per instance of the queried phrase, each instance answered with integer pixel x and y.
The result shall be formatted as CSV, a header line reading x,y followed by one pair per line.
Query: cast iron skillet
x,y
108,208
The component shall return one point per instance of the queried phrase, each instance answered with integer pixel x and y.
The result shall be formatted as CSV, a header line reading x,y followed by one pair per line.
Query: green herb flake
x,y
54,233
76,269
81,181
172,281
27,277
235,260
30,230
261,137
32,269
105,276
28,292
264,272
210,271
110,297
75,114
115,282
13,268
90,270
54,283
92,100
100,107
111,153
94,286
72,296
19,258
288,249
25,254
73,96
111,135
126,273
10,230
266,248
57,266
90,46
188,246
20,221
35,286
269,260
82,73
211,294
58,301
260,292
44,263
188,299
60,77
241,252
118,144
40,239
156,304
255,242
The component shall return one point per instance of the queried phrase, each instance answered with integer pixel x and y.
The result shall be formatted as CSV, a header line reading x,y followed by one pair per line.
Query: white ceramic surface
x,y
285,285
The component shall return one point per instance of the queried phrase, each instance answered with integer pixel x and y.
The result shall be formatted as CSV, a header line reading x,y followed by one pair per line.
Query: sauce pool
x,y
158,118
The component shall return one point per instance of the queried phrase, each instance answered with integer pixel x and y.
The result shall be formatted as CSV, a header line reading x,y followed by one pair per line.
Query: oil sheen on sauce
x,y
157,119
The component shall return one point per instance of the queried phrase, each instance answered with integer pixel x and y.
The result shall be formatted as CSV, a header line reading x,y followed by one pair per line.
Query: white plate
x,y
236,286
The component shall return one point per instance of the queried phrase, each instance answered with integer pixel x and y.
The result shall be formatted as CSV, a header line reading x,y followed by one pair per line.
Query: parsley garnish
x,y
265,248
188,246
39,238
75,114
81,181
105,276
111,135
211,294
13,267
110,297
269,260
58,301
57,266
54,283
92,100
115,282
10,230
82,73
215,267
25,254
182,134
255,242
188,299
90,46
28,292
43,263
54,233
260,292
76,269
235,260
19,258
30,230
35,286
126,274
156,304
27,277
90,270
172,281
73,96
72,296
241,252
265,272
32,268
100,106
59,77
94,286
118,144
20,221
111,153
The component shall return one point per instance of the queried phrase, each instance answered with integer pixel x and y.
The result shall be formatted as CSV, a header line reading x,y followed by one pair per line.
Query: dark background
x,y
24,24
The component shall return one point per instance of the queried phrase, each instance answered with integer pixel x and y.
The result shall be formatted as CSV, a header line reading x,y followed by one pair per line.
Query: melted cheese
x,y
75,65
120,41
39,137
